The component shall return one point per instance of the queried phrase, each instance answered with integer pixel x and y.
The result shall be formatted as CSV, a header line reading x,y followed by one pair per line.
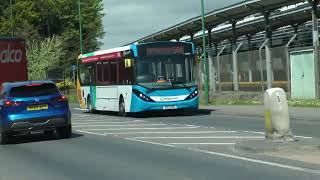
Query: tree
x,y
37,20
44,56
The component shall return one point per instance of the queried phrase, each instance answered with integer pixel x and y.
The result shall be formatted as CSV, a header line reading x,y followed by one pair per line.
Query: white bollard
x,y
277,121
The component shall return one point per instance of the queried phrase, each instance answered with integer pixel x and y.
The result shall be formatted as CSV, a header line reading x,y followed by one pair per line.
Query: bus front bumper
x,y
138,105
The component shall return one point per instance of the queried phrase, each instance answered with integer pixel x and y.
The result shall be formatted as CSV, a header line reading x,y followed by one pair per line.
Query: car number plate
x,y
37,107
169,107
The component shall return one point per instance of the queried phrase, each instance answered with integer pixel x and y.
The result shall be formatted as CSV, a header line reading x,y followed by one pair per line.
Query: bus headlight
x,y
192,95
142,96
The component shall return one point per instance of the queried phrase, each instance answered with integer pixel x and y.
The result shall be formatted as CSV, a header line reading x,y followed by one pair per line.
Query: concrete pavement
x,y
300,113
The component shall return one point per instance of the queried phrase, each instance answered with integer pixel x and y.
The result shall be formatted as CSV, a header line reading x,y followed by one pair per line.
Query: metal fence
x,y
249,70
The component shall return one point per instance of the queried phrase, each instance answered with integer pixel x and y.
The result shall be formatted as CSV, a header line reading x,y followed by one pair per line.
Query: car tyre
x,y
3,137
64,132
49,133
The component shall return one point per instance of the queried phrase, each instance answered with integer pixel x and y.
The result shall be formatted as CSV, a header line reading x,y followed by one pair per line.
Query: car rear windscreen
x,y
34,90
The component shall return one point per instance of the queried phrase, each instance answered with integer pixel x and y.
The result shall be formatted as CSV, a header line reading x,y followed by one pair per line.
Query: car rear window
x,y
34,90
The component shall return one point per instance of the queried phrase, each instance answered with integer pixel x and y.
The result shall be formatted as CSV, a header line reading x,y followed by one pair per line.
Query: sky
x,y
128,20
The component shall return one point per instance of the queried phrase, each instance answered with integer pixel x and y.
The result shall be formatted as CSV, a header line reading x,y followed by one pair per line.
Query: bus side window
x,y
82,77
99,71
125,73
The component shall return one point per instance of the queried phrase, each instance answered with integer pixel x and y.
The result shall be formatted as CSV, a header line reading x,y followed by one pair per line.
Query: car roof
x,y
23,83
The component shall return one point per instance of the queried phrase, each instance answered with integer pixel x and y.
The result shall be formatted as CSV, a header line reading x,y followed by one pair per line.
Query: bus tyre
x,y
89,106
122,109
64,132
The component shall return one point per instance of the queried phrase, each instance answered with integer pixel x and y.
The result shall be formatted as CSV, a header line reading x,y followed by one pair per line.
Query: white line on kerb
x,y
202,143
119,129
163,132
118,125
204,137
256,161
256,132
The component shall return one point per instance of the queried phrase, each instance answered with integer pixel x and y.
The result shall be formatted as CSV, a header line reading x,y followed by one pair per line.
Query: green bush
x,y
67,85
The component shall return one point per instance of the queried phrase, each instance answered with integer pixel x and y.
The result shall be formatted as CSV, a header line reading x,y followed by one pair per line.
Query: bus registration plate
x,y
170,107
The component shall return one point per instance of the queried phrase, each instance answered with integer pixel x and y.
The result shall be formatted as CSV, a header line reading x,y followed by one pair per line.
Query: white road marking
x,y
81,115
202,143
203,137
117,125
89,121
90,132
155,143
103,122
257,132
120,129
80,109
163,132
92,122
303,137
273,164
91,118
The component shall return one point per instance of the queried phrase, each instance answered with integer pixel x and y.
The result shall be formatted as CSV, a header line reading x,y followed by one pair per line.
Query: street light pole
x,y
80,26
11,19
206,86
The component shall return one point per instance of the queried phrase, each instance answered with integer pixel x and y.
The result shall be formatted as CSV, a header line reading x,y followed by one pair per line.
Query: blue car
x,y
33,106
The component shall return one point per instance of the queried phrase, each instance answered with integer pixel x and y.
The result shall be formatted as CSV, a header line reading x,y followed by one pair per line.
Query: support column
x,y
212,84
249,38
268,50
295,30
234,57
218,66
315,32
216,48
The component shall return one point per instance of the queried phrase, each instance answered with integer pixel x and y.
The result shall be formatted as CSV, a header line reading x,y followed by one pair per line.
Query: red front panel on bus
x,y
103,57
13,62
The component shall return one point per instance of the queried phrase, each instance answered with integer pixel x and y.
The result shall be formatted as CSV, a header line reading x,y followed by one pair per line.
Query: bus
x,y
138,77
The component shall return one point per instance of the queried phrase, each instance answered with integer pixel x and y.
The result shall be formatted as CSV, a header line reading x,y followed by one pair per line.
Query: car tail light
x,y
12,103
62,98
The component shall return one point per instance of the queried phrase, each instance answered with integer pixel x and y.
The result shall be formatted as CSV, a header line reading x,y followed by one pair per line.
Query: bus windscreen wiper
x,y
152,89
180,82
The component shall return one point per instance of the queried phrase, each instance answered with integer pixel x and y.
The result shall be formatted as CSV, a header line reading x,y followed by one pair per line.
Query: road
x,y
105,146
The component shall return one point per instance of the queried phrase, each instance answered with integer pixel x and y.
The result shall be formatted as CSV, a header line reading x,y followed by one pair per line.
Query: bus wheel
x,y
89,106
122,109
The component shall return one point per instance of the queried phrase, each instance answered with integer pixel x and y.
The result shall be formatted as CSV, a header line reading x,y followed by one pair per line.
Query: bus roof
x,y
103,52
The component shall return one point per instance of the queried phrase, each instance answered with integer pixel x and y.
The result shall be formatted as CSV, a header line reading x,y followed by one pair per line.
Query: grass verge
x,y
292,103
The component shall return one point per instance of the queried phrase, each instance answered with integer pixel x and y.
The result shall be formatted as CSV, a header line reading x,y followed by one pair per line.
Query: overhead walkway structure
x,y
254,23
